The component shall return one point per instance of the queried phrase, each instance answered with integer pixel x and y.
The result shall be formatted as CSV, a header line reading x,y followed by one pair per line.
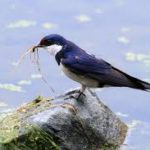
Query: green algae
x,y
139,57
17,134
33,138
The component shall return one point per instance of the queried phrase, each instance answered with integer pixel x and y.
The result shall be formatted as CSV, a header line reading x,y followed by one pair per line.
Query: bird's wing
x,y
91,67
100,70
86,64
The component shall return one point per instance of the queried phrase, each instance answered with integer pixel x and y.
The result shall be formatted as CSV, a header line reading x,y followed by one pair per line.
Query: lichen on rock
x,y
17,134
62,123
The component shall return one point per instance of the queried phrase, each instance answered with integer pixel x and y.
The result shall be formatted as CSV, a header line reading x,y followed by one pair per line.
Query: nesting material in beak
x,y
30,50
33,48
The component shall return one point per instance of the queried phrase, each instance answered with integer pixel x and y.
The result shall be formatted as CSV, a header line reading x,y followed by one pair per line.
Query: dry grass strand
x,y
35,59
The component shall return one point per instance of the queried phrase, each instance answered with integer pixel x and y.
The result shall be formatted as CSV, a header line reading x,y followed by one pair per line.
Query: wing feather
x,y
81,63
91,67
84,64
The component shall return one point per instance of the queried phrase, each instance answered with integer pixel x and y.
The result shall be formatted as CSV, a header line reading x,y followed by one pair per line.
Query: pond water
x,y
117,31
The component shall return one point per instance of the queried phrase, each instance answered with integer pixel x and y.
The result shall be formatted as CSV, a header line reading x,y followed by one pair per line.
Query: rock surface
x,y
66,123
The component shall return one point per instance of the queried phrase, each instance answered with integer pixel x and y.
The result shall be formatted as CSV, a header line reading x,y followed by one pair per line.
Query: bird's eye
x,y
50,42
46,42
43,42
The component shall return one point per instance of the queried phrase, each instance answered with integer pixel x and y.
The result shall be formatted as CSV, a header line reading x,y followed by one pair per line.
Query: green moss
x,y
9,128
35,139
107,146
17,134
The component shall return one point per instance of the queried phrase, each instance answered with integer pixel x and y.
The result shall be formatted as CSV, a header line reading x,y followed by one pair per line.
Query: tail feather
x,y
135,82
139,84
147,86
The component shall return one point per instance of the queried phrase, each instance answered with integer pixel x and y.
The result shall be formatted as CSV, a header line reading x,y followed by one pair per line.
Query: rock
x,y
64,123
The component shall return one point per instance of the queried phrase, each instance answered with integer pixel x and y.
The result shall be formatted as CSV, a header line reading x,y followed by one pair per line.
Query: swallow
x,y
86,69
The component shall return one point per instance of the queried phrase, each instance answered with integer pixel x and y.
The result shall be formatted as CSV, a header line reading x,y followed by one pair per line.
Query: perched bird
x,y
86,69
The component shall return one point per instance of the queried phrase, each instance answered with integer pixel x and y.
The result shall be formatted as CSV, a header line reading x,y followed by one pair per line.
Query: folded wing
x,y
91,67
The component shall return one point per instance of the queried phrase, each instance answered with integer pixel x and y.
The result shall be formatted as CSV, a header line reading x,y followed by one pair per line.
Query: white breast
x,y
79,78
53,49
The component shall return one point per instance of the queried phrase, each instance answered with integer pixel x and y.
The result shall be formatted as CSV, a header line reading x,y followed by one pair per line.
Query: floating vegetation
x,y
24,82
83,18
11,87
123,40
130,56
36,76
21,24
48,25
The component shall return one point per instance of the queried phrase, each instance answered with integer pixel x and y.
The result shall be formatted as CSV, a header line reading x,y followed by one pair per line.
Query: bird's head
x,y
53,43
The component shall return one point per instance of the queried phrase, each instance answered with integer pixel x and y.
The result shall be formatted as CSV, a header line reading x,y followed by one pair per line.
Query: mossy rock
x,y
63,123
17,134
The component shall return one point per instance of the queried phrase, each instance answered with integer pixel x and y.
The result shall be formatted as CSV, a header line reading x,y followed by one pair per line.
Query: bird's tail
x,y
139,84
133,82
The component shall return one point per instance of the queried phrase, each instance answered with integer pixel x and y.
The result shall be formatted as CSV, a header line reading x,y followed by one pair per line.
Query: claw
x,y
76,94
80,94
81,91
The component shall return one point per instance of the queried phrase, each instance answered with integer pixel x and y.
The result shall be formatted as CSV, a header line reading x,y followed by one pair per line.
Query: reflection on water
x,y
11,87
83,18
143,58
138,136
116,30
21,24
24,82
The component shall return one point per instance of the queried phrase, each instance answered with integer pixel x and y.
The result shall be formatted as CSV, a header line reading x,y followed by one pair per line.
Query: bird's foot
x,y
77,94
81,92
80,95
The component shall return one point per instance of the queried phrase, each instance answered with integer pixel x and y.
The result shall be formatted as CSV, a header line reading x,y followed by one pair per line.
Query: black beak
x,y
36,47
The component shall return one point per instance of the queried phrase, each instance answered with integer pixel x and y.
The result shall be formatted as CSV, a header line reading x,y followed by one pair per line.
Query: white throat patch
x,y
53,49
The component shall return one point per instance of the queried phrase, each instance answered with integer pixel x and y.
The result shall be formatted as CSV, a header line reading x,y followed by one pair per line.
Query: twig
x,y
34,49
43,78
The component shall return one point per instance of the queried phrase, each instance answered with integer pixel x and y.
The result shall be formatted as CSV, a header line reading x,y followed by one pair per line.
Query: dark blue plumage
x,y
87,69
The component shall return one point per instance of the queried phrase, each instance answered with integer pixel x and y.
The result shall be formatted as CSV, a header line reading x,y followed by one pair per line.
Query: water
x,y
117,31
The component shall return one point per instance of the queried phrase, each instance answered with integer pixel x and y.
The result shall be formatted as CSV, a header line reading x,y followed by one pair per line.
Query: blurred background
x,y
117,31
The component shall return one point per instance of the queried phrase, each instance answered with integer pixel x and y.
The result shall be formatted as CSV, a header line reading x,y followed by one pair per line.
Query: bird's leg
x,y
81,91
83,87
